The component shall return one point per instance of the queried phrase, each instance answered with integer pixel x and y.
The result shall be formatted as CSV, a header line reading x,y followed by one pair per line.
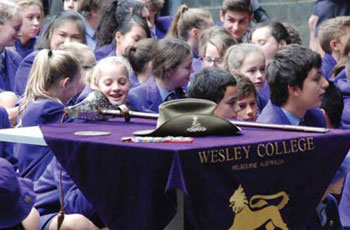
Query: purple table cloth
x,y
131,185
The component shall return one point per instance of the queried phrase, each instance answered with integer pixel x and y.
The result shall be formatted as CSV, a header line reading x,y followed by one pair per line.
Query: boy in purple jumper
x,y
297,88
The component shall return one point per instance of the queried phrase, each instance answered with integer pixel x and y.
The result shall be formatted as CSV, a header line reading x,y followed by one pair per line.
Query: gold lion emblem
x,y
268,215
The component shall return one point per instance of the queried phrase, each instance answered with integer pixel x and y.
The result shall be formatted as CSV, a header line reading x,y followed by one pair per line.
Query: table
x,y
131,185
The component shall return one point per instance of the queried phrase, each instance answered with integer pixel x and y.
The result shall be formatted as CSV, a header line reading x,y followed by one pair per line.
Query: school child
x,y
249,60
333,35
91,11
139,57
114,13
188,24
172,67
87,61
66,27
53,81
17,199
341,64
219,86
236,16
326,215
160,24
322,11
297,88
246,99
33,16
132,30
72,5
213,44
270,36
10,24
111,77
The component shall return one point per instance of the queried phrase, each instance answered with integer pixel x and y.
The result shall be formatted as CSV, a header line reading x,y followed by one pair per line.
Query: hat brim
x,y
17,213
192,125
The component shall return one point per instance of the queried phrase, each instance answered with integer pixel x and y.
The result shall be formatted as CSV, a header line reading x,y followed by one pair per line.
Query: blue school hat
x,y
16,196
343,170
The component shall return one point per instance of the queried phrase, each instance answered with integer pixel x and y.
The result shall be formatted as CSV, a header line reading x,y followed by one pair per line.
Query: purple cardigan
x,y
104,51
7,79
162,25
273,114
328,63
23,73
6,148
33,159
344,87
145,97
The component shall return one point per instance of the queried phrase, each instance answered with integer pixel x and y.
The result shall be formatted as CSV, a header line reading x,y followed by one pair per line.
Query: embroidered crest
x,y
257,212
196,126
27,199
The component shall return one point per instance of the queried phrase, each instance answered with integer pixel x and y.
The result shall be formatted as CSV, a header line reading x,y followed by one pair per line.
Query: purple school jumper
x,y
134,81
162,25
328,63
344,87
104,51
23,73
273,114
6,148
33,159
145,97
8,71
48,198
23,51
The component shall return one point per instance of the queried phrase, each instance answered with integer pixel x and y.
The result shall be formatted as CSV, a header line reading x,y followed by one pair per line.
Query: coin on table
x,y
92,133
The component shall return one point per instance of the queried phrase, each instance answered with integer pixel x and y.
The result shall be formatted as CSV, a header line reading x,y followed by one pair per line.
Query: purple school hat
x,y
16,196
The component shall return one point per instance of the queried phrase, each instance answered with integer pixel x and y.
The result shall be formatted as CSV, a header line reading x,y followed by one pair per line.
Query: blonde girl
x,y
33,15
249,60
87,62
53,80
111,77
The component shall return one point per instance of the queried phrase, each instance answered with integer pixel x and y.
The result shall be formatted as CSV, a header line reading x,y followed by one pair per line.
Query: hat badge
x,y
196,126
